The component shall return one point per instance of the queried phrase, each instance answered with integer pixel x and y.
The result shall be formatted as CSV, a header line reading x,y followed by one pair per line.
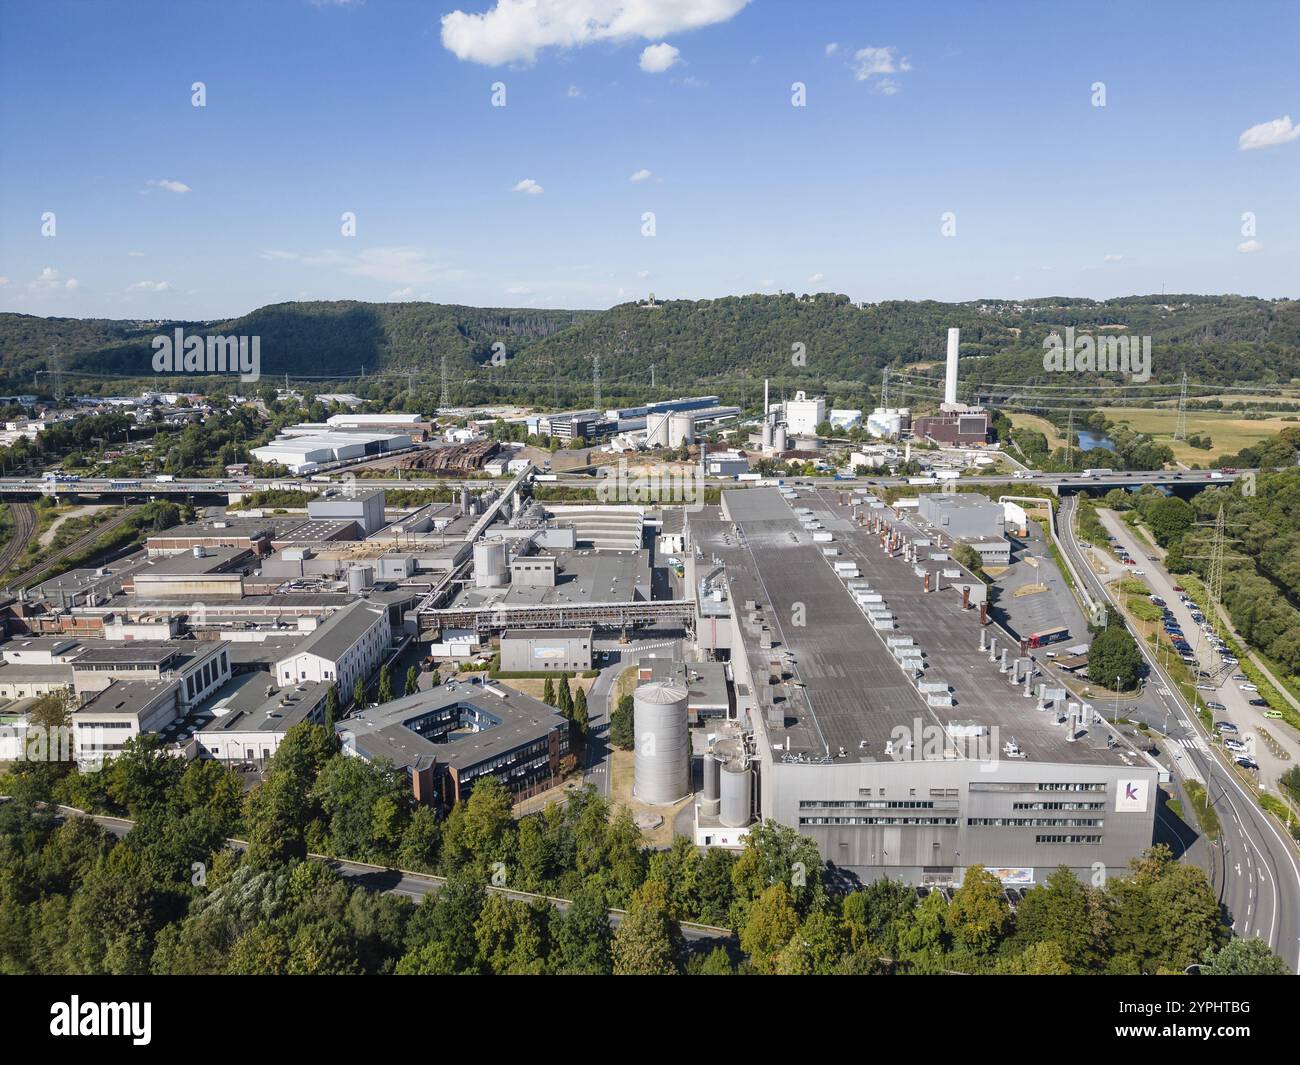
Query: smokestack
x,y
766,405
950,380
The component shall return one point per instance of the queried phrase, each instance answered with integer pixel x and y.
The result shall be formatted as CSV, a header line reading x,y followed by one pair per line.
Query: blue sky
x,y
384,109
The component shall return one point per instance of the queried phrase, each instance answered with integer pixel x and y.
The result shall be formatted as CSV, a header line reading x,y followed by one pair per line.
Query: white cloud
x,y
878,65
391,265
136,254
514,31
641,175
767,282
574,92
656,58
4,280
519,290
1113,258
832,48
1267,134
529,186
402,293
168,184
816,278
149,286
642,274
51,279
1248,246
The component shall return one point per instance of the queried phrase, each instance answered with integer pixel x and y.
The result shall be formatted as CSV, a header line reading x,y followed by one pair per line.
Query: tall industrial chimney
x,y
950,380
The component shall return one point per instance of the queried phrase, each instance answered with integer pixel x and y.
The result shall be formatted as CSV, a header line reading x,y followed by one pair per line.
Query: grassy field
x,y
1032,421
1229,432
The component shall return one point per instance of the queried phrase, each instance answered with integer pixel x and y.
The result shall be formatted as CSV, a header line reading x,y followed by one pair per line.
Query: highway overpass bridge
x,y
120,490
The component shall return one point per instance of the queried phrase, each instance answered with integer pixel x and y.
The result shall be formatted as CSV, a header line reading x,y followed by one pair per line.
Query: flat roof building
x,y
881,719
448,738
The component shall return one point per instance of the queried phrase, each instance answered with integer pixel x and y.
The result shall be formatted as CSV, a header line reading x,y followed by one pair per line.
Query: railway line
x,y
26,578
24,515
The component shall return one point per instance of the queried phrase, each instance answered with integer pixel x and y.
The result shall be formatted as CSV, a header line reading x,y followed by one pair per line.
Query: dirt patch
x,y
536,686
47,537
622,774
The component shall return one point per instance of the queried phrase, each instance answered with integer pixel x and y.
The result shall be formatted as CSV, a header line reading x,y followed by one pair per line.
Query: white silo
x,y
360,578
767,435
663,743
779,442
490,567
681,430
656,429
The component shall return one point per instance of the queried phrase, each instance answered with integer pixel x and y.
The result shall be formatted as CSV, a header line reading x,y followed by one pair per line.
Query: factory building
x,y
449,738
892,725
366,508
804,415
956,424
350,644
248,718
546,650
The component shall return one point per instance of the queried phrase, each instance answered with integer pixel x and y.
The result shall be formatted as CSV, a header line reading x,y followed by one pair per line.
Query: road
x,y
1258,878
414,886
24,487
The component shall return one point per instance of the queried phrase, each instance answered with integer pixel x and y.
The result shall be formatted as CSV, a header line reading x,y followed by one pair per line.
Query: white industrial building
x,y
302,449
351,643
843,418
803,415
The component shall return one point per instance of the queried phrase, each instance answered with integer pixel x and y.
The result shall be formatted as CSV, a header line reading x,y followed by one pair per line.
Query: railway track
x,y
24,525
24,579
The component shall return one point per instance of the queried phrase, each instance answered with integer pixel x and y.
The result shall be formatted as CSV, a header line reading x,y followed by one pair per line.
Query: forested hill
x,y
823,339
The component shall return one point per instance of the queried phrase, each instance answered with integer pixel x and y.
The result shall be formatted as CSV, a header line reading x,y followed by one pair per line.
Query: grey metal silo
x,y
663,743
737,793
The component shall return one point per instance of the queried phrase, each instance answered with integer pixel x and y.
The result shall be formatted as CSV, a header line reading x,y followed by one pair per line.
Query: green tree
x,y
1243,957
583,937
579,717
359,693
385,684
548,692
648,940
771,922
332,707
412,681
1114,655
622,727
979,916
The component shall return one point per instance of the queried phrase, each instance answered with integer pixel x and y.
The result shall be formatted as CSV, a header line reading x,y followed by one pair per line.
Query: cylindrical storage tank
x,y
767,434
490,567
779,438
681,430
712,773
737,793
663,743
656,429
360,578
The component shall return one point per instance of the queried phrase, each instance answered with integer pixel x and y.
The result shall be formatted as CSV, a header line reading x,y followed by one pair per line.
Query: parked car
x,y
1224,726
1240,676
1248,687
1273,714
1259,702
1234,745
1247,763
1216,706
1206,688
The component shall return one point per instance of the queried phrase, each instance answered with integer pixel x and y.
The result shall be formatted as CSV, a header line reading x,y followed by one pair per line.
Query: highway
x,y
27,487
1259,879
